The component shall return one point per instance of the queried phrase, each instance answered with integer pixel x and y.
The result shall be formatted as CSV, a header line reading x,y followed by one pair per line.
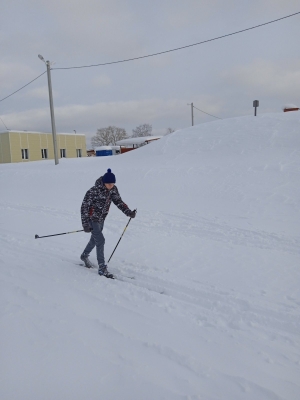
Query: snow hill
x,y
213,311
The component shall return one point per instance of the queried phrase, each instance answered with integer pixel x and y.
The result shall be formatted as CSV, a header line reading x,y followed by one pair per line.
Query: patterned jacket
x,y
97,200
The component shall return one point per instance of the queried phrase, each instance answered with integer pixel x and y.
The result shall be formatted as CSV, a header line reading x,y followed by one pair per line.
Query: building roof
x,y
107,148
137,140
290,107
42,133
103,148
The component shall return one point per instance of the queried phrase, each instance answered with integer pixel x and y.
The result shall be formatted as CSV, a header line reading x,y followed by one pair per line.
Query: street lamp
x,y
255,105
48,64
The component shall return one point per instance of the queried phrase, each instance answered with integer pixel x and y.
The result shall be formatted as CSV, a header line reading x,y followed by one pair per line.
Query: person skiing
x,y
94,210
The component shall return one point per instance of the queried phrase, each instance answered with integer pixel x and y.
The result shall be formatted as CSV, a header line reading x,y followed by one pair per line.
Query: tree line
x,y
110,135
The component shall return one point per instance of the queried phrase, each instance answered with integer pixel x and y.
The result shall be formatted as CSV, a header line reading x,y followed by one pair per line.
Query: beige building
x,y
19,146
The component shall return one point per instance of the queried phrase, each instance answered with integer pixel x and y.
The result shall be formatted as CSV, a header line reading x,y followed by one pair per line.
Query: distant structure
x,y
134,143
290,107
19,146
91,153
103,151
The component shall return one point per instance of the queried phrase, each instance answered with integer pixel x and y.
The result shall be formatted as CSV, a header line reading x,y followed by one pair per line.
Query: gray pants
x,y
98,240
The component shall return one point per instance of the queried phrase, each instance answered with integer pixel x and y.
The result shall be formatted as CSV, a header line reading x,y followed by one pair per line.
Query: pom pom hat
x,y
109,177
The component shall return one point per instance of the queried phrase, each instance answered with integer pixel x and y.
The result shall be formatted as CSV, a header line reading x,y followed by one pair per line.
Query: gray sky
x,y
221,77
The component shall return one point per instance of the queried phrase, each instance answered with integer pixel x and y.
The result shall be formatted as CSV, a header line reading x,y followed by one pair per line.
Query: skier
x,y
94,209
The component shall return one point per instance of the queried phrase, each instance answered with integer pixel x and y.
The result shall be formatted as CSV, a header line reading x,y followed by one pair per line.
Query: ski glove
x,y
87,228
132,214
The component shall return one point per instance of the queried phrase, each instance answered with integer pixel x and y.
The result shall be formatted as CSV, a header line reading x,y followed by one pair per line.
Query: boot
x,y
102,271
85,258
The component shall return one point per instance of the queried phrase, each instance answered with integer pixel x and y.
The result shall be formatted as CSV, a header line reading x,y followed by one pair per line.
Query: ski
x,y
83,265
111,276
121,278
118,277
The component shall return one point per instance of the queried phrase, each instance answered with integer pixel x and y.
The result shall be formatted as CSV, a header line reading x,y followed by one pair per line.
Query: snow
x,y
103,148
137,140
213,311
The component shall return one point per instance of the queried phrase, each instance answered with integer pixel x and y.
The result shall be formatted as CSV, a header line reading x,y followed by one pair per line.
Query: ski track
x,y
205,229
56,213
185,224
204,305
222,305
209,300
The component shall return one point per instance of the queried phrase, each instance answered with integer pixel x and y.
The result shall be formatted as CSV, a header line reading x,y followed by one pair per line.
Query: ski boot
x,y
85,258
102,271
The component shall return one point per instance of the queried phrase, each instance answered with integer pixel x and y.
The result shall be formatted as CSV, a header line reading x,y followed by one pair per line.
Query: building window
x,y
62,153
78,152
24,154
44,153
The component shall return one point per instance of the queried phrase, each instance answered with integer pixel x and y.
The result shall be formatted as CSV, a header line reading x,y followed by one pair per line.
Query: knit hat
x,y
109,177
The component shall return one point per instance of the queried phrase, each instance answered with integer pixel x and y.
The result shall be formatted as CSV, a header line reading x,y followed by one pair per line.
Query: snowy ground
x,y
213,311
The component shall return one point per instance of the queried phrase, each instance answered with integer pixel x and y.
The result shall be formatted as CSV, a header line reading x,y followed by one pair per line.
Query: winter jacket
x,y
97,200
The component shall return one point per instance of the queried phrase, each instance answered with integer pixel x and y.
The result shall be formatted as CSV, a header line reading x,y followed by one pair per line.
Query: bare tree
x,y
170,130
142,130
108,136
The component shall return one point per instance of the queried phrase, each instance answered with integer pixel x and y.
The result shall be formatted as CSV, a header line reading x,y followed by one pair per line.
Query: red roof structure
x,y
290,107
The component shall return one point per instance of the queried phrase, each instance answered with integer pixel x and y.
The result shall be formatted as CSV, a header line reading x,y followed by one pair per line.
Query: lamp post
x,y
255,105
48,64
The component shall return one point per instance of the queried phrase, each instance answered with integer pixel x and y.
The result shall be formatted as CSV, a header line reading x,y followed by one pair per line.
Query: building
x,y
102,151
19,146
91,153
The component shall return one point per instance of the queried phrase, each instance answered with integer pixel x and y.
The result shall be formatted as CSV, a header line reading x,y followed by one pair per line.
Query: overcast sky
x,y
222,77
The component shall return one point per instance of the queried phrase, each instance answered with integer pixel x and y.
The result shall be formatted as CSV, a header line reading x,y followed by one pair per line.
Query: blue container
x,y
101,153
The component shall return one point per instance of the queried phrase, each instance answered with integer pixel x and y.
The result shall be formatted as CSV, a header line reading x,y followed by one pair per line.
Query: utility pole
x,y
192,112
48,64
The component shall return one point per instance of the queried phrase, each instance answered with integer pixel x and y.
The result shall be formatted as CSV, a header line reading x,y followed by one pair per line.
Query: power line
x,y
4,124
183,47
159,53
23,86
206,112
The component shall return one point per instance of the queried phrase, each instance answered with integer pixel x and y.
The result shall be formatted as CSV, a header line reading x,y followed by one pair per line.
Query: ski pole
x,y
57,234
119,239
